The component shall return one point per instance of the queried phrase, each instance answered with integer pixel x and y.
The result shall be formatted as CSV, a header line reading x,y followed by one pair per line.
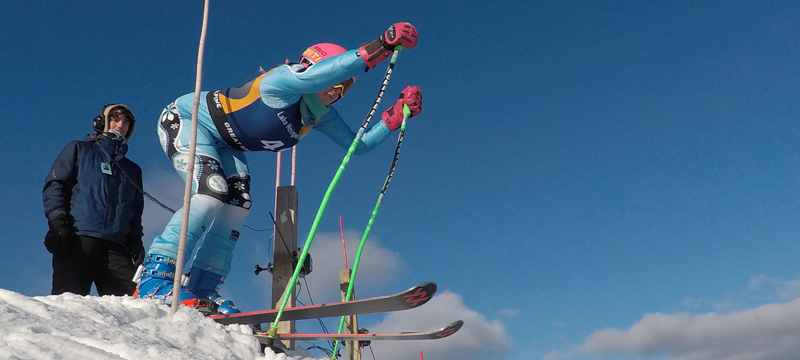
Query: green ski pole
x,y
349,294
272,333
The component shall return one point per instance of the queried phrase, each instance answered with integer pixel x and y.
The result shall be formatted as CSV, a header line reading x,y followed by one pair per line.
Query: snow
x,y
70,326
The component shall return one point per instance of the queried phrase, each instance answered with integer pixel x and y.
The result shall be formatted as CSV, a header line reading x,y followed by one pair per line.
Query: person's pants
x,y
221,194
105,263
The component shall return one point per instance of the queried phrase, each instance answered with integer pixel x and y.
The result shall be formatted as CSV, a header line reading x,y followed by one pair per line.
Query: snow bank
x,y
70,326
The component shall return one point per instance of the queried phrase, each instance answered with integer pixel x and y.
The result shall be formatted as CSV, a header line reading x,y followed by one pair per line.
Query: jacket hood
x,y
101,121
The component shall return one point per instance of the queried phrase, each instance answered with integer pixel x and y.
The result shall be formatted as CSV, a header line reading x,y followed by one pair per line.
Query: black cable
x,y
315,346
319,320
153,199
278,230
159,203
254,229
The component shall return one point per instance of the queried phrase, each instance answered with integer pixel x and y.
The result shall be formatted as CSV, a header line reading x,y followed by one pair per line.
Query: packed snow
x,y
70,326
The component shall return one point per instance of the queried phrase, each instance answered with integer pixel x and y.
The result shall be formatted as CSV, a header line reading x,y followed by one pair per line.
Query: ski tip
x,y
450,329
420,294
429,286
455,325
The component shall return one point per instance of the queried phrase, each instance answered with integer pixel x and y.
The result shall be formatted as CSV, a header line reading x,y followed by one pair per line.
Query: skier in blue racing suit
x,y
270,113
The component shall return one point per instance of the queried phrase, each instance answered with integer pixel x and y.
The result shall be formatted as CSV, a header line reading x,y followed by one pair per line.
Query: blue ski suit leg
x,y
216,251
209,185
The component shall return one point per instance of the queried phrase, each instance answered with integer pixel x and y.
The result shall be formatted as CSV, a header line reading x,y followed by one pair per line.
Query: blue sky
x,y
578,166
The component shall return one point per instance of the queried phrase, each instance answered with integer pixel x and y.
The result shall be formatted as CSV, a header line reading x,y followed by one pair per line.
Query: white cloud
x,y
556,355
479,337
760,289
509,314
740,327
378,267
167,188
767,332
785,290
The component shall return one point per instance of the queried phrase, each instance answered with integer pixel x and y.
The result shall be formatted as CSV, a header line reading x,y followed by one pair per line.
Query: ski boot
x,y
156,280
205,284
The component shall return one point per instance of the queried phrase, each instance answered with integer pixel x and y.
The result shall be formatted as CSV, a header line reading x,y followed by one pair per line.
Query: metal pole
x,y
187,191
277,184
294,163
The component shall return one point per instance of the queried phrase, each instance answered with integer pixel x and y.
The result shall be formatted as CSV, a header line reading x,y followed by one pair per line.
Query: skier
x,y
94,210
270,113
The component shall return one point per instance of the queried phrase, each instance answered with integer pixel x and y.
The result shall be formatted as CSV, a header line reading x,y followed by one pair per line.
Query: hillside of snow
x,y
77,327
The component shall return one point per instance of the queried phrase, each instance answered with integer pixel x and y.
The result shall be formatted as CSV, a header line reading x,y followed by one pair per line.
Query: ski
x,y
432,335
409,299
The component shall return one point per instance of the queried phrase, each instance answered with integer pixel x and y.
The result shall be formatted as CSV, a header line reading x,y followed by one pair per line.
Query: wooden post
x,y
350,322
285,242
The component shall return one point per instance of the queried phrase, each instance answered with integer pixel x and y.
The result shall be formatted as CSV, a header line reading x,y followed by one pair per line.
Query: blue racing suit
x,y
266,114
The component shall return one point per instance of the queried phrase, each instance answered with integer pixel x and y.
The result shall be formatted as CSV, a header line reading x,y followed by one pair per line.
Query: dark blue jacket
x,y
103,206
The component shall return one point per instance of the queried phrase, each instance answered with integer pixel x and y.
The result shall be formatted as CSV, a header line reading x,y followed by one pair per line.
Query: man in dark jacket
x,y
93,203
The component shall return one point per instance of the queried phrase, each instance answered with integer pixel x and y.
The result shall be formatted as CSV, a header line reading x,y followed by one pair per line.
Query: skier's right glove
x,y
135,249
60,239
378,50
412,97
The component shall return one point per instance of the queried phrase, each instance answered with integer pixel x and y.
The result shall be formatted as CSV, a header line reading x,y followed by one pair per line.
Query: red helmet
x,y
322,51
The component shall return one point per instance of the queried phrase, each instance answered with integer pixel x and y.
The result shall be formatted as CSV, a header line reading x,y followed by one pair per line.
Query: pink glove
x,y
401,33
393,116
378,50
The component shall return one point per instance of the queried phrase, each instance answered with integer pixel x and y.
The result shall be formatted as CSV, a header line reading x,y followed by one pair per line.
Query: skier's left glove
x,y
393,116
378,50
135,249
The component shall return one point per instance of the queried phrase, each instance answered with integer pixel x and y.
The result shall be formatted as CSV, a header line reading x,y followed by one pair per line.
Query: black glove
x,y
136,250
61,238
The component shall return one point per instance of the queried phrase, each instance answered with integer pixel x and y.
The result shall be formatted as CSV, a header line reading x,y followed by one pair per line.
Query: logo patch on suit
x,y
217,184
180,162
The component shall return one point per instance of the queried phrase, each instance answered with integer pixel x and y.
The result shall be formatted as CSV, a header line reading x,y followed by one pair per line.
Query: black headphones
x,y
99,123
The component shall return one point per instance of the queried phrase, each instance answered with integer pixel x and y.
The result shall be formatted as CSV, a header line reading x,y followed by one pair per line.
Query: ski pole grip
x,y
397,50
406,115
